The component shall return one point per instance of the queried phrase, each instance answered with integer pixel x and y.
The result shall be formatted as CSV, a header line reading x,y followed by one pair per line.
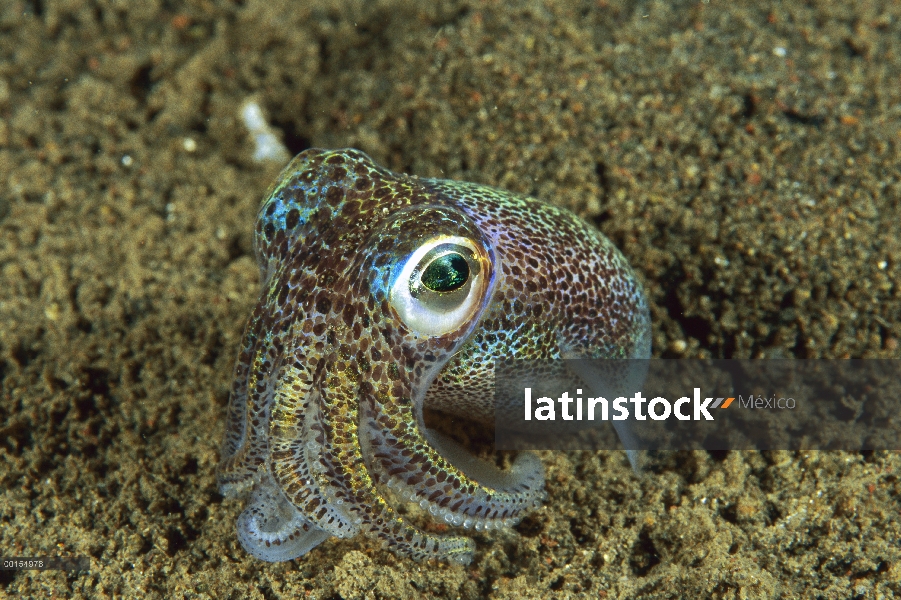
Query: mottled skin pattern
x,y
325,426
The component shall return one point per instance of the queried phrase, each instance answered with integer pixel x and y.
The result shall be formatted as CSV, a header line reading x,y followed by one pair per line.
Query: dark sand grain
x,y
745,156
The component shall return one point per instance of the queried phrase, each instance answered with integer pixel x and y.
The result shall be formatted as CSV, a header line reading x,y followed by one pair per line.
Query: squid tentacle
x,y
463,491
272,529
297,463
245,445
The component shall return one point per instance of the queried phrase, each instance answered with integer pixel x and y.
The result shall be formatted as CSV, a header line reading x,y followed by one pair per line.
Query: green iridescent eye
x,y
441,285
446,273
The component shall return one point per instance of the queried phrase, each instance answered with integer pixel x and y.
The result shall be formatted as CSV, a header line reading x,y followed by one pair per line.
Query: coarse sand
x,y
746,157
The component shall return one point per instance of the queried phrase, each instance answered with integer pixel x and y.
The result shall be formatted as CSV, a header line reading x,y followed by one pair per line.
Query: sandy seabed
x,y
746,157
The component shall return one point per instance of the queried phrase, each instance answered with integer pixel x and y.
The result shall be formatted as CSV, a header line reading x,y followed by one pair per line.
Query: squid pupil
x,y
446,273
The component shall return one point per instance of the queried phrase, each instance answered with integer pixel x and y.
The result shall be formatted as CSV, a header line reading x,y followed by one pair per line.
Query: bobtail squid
x,y
382,293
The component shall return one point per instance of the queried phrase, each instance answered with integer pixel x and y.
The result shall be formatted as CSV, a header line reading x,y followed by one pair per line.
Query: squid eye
x,y
446,273
441,285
